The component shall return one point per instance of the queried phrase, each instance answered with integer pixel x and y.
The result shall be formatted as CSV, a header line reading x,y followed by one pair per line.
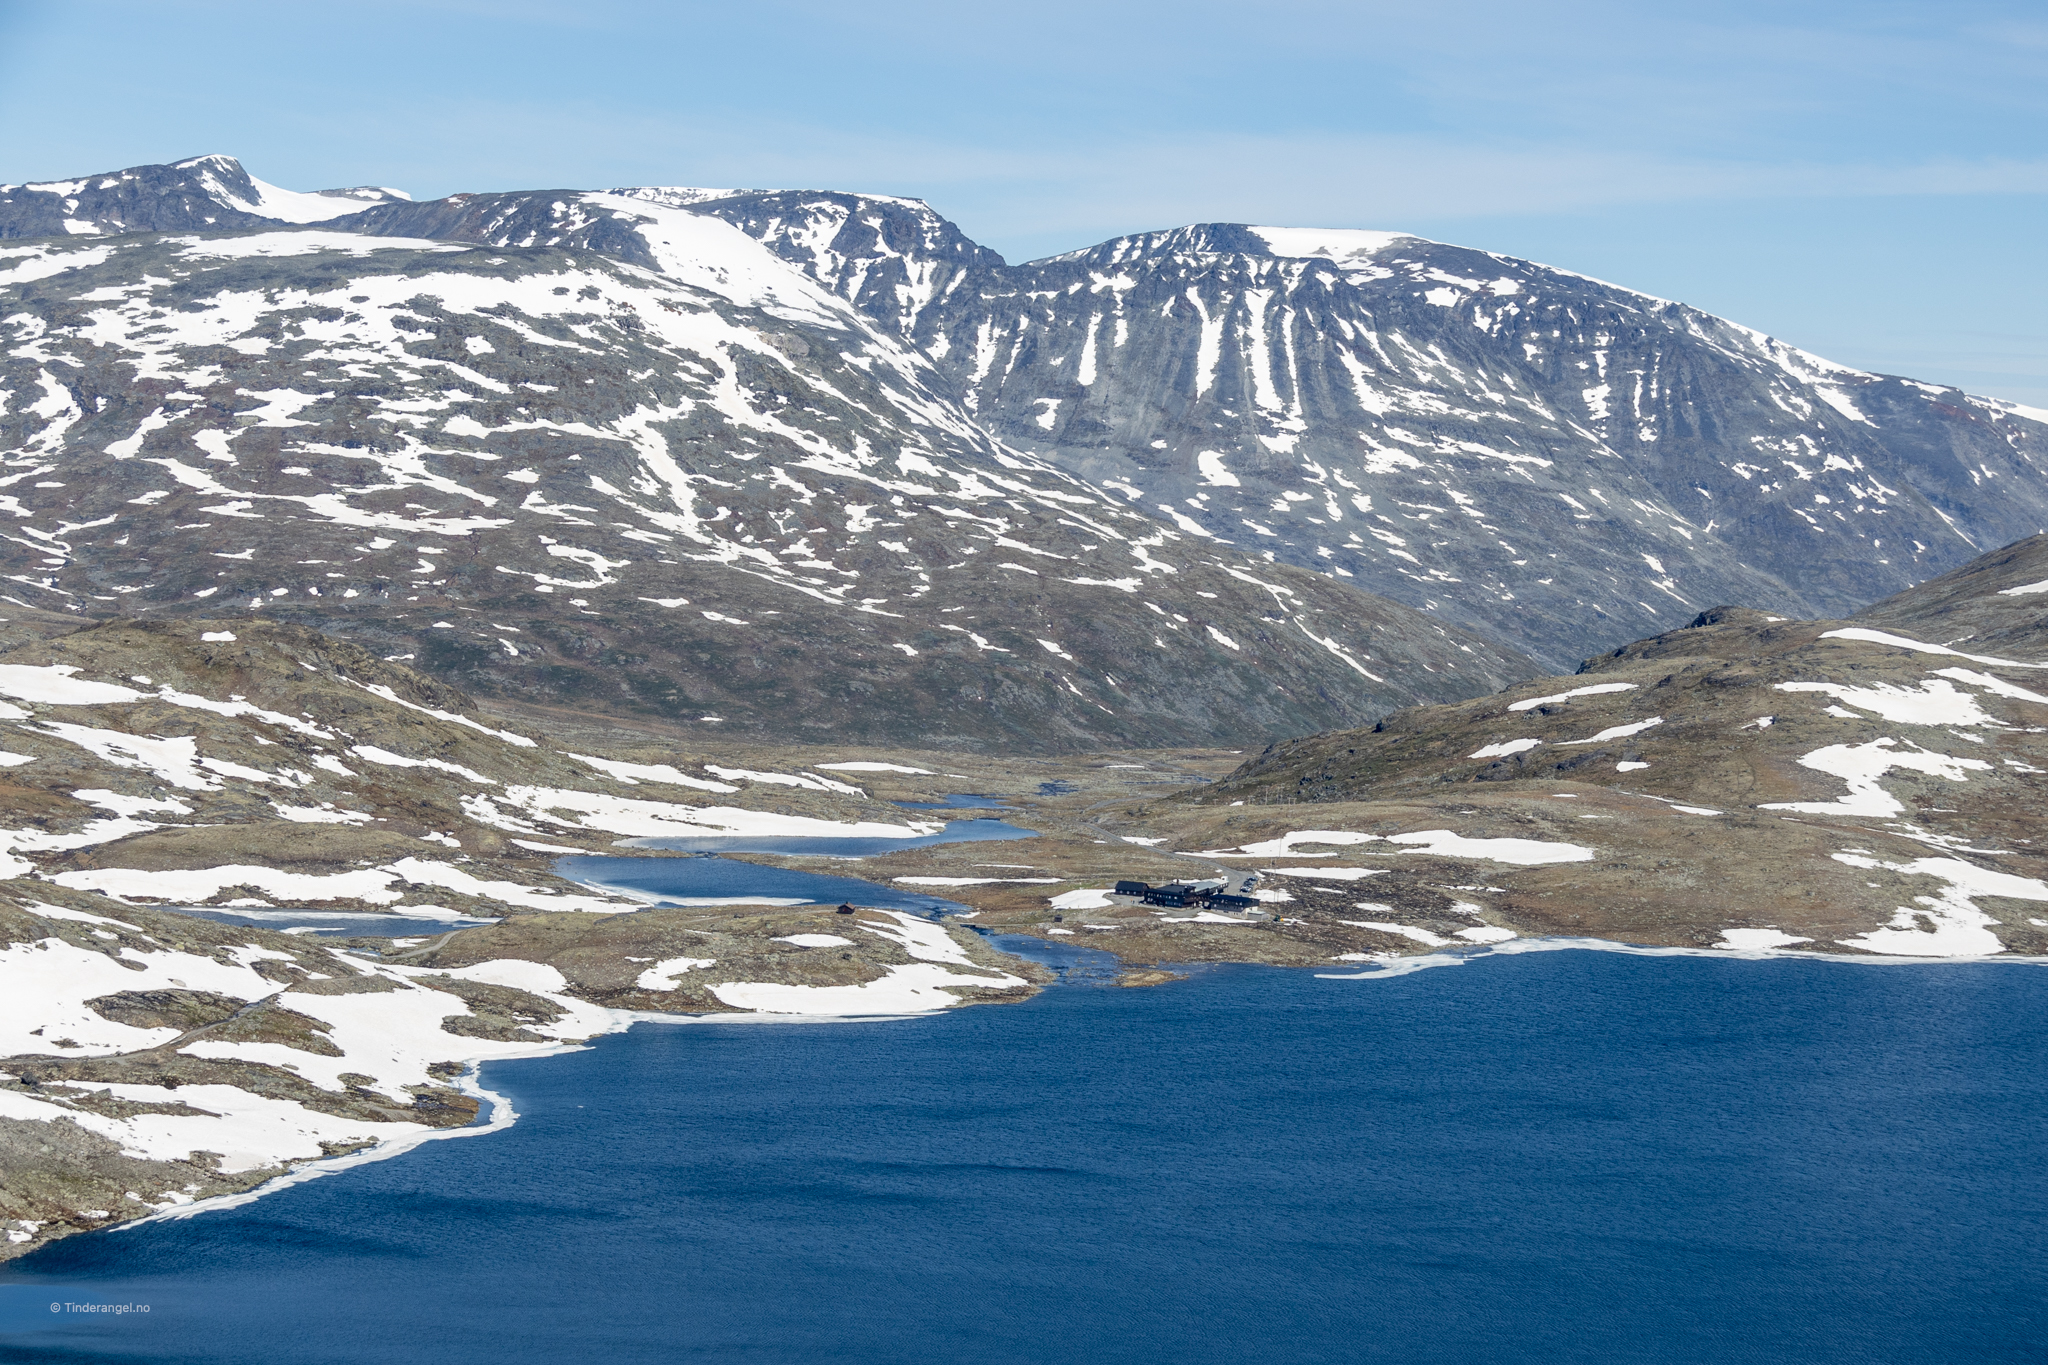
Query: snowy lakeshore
x,y
383,1035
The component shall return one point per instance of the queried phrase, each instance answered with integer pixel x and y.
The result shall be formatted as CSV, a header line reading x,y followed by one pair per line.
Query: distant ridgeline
x,y
762,459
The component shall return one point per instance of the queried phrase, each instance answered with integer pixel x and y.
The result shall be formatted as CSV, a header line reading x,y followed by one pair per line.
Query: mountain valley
x,y
390,561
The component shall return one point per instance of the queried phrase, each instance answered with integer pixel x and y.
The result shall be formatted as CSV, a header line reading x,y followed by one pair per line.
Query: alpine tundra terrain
x,y
1868,786
682,479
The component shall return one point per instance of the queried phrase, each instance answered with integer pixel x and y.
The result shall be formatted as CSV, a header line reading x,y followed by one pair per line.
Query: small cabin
x,y
1132,888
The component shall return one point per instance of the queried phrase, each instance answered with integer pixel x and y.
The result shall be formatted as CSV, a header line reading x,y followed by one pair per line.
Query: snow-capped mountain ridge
x,y
680,196
1460,392
1338,244
628,456
1351,248
233,187
204,193
1537,455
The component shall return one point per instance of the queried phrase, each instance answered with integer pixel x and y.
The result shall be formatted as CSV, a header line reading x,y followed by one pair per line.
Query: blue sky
x,y
1866,180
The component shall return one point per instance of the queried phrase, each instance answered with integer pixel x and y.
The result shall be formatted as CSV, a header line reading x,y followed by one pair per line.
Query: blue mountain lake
x,y
1558,1156
706,878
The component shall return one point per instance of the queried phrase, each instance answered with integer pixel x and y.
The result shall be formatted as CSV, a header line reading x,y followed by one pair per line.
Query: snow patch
x,y
1947,924
1861,766
662,975
1596,689
1753,940
1879,637
1503,750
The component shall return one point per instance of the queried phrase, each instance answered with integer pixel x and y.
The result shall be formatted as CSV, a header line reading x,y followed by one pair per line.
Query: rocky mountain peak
x,y
205,193
1546,458
1348,247
892,258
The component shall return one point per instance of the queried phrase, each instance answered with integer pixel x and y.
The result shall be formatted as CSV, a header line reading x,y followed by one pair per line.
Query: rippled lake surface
x,y
1564,1156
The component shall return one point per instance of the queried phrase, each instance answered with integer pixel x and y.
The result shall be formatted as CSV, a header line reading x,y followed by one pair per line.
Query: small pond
x,y
1072,963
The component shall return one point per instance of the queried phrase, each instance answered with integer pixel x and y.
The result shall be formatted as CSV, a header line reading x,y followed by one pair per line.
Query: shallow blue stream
x,y
958,801
709,879
955,832
1568,1156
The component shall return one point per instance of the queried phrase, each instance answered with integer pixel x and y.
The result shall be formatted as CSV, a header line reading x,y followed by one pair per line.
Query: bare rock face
x,y
182,1010
1746,781
1556,462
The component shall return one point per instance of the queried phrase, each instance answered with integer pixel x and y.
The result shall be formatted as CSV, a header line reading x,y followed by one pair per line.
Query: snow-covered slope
x,y
631,457
223,176
1560,463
